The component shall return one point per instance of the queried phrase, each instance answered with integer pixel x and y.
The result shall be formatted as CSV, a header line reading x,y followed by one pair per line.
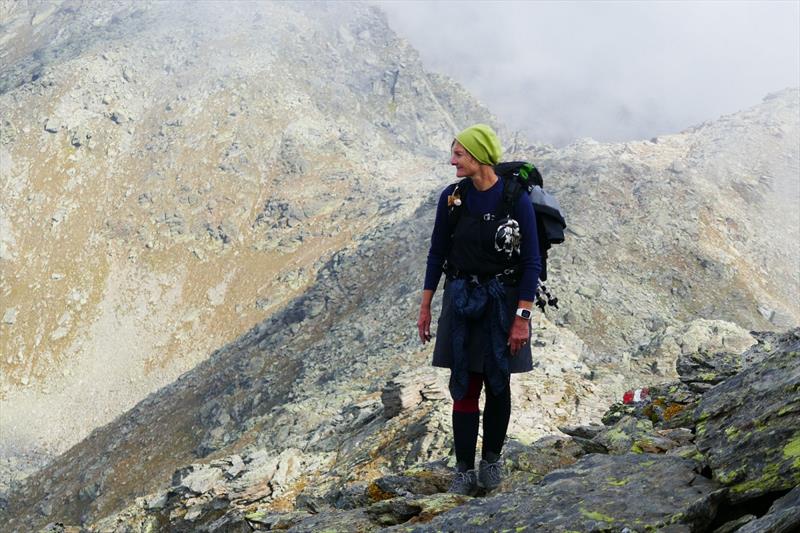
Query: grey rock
x,y
59,527
680,436
45,508
590,291
335,522
688,451
236,466
117,117
529,464
595,494
423,481
198,478
80,137
264,519
58,216
420,509
310,503
625,435
590,445
701,371
8,133
10,316
128,74
351,496
144,199
783,516
587,432
393,511
734,525
748,425
225,232
765,311
316,307
678,167
59,333
231,522
51,126
405,391
158,501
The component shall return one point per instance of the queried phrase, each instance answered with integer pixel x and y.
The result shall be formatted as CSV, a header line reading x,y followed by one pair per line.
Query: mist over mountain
x,y
215,218
611,71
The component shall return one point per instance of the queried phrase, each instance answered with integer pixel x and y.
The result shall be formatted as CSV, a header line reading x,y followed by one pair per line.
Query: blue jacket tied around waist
x,y
472,301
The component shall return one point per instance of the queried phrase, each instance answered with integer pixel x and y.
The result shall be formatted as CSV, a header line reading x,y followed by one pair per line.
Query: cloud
x,y
607,70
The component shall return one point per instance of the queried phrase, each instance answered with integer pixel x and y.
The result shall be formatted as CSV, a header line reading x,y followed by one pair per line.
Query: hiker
x,y
486,245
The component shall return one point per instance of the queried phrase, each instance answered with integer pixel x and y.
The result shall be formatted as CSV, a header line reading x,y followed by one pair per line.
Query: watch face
x,y
524,313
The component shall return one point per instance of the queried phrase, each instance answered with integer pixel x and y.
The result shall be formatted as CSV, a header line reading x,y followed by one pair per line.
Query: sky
x,y
612,71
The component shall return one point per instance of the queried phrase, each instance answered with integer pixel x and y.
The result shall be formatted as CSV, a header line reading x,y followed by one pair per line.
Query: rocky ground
x,y
173,178
717,450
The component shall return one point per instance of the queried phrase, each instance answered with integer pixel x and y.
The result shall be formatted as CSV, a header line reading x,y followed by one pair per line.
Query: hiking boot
x,y
490,474
465,483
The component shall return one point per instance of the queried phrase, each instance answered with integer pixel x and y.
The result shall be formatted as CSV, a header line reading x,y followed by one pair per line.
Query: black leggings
x,y
496,414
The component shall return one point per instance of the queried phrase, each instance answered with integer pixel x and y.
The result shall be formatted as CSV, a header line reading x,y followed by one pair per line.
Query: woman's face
x,y
466,165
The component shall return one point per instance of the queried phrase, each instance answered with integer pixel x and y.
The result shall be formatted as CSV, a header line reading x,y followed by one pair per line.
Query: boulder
x,y
406,391
748,427
415,483
589,431
529,464
700,372
196,479
640,492
402,509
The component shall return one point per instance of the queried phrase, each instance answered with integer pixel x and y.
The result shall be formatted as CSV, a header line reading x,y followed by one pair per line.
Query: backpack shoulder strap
x,y
512,190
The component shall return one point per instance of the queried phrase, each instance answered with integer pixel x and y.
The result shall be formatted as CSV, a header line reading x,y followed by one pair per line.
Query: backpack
x,y
523,177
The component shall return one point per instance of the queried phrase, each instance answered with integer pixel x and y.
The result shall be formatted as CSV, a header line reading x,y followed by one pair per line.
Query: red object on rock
x,y
635,395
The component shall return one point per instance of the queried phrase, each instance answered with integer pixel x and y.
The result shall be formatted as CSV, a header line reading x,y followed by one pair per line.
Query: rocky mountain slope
x,y
173,173
699,224
219,183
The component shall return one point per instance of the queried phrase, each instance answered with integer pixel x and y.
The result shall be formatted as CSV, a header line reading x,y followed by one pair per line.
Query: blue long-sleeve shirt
x,y
479,203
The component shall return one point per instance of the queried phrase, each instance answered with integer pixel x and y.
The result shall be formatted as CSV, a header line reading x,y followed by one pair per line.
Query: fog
x,y
608,70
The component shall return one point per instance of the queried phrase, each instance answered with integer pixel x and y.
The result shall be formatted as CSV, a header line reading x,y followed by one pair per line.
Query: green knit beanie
x,y
481,141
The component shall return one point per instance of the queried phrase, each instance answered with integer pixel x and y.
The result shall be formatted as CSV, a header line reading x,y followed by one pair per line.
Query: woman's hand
x,y
518,336
424,320
424,323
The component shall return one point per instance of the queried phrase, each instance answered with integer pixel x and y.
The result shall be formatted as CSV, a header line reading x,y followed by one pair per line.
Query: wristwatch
x,y
524,313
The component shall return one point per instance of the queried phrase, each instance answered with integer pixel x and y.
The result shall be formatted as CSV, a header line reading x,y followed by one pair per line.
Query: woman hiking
x,y
486,245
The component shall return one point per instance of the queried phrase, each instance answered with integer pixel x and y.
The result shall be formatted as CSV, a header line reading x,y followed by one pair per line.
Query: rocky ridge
x,y
721,457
